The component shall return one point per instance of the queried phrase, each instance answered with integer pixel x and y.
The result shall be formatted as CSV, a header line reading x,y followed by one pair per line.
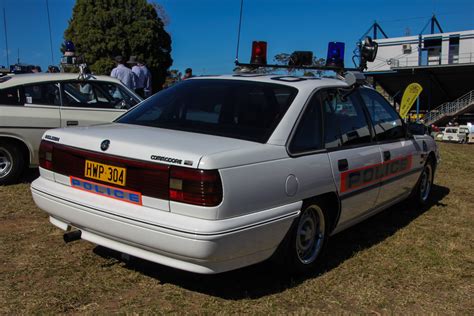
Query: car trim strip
x,y
29,127
372,186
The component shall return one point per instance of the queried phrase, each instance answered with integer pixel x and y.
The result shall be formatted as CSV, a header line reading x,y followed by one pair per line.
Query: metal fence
x,y
443,59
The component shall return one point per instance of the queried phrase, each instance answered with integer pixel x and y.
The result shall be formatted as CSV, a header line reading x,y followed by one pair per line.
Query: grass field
x,y
403,260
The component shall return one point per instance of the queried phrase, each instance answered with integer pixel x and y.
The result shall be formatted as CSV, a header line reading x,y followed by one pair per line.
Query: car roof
x,y
21,79
299,82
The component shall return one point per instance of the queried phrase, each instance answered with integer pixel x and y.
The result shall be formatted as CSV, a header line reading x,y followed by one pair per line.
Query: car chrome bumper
x,y
193,244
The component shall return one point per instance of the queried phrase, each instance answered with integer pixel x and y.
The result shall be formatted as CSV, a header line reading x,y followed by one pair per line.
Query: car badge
x,y
105,145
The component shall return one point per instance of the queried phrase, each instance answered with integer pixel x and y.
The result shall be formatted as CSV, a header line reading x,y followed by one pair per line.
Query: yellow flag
x,y
409,97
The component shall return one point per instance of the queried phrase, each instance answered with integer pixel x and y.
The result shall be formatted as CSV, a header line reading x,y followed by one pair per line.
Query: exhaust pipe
x,y
72,236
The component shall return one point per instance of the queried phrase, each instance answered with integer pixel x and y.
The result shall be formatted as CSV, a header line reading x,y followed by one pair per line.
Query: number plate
x,y
106,173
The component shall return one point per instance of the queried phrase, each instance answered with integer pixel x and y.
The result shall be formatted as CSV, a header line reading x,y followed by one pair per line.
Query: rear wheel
x,y
422,193
306,239
11,163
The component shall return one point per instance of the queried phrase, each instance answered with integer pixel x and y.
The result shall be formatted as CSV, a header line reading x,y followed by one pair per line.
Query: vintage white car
x,y
456,134
30,104
218,173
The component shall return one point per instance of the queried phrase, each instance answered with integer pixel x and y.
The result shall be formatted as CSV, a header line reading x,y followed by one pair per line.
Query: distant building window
x,y
406,48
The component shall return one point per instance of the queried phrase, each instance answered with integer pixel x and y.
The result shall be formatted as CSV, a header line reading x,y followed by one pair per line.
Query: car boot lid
x,y
151,144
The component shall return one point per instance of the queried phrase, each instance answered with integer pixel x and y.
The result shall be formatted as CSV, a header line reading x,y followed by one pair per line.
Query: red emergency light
x,y
259,53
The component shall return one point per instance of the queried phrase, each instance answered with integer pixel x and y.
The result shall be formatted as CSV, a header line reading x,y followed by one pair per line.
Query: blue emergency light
x,y
69,45
335,55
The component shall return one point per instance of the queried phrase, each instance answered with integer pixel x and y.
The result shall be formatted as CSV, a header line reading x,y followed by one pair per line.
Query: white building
x,y
436,49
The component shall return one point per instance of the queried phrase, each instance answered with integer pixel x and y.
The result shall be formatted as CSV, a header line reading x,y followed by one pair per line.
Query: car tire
x,y
305,241
11,163
422,193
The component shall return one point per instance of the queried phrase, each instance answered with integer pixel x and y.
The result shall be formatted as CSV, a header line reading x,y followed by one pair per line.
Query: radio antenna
x,y
238,33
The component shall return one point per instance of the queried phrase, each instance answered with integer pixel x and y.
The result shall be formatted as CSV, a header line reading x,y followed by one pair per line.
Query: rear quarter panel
x,y
259,186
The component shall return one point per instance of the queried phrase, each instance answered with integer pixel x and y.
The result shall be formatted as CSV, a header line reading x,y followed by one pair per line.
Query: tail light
x,y
194,186
259,53
46,155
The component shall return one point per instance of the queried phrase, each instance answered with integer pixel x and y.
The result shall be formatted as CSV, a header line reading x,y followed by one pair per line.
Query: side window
x,y
10,96
44,94
308,135
93,95
345,123
120,94
387,123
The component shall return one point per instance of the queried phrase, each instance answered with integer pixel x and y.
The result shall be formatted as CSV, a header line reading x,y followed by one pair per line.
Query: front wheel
x,y
11,163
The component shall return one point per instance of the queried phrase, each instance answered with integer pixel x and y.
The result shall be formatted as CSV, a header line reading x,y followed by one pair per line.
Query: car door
x,y
29,111
41,106
401,154
93,102
353,153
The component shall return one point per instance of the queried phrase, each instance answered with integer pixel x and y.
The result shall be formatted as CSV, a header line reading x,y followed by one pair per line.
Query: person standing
x,y
142,77
188,73
122,73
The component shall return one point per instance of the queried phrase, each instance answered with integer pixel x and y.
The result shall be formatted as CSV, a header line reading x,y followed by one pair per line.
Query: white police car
x,y
221,172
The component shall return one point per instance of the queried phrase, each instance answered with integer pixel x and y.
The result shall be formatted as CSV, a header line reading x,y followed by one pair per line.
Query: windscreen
x,y
232,108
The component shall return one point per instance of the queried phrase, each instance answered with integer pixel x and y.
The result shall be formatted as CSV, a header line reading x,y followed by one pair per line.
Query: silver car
x,y
30,104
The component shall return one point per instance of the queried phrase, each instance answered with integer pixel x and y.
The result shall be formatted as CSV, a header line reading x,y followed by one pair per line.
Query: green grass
x,y
403,260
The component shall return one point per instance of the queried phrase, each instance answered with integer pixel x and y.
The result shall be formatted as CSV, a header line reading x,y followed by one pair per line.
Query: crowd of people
x,y
137,78
132,73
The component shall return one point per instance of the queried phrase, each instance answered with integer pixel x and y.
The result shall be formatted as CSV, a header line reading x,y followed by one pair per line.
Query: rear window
x,y
231,108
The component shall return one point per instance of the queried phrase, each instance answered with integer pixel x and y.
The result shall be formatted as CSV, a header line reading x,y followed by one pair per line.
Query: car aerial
x,y
30,104
217,173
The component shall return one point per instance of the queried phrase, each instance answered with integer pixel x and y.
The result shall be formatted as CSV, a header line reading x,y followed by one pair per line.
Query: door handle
x,y
342,165
72,123
386,155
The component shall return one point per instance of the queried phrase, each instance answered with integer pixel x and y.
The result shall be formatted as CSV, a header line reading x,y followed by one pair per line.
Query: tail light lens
x,y
259,53
46,155
194,186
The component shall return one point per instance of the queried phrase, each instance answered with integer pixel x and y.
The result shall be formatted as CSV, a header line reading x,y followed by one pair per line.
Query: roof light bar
x,y
298,60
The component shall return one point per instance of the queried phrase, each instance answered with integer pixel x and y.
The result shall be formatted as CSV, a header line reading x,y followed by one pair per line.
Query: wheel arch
x,y
331,204
432,157
25,148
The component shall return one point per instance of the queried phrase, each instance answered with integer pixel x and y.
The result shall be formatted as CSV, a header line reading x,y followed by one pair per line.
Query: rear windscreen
x,y
231,108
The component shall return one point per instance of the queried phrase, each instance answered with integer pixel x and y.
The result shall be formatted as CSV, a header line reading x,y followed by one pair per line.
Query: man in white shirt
x,y
142,77
124,74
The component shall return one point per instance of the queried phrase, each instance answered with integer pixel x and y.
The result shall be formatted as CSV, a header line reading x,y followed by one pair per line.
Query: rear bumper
x,y
192,244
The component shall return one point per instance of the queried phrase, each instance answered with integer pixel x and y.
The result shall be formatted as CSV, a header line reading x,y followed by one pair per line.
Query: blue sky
x,y
204,32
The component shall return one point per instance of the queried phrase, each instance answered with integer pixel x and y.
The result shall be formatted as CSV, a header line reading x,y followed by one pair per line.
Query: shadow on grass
x,y
266,278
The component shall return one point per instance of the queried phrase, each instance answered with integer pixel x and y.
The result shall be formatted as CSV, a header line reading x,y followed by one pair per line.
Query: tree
x,y
103,29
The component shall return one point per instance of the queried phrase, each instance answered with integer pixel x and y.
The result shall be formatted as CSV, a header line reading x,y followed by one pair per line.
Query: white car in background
x,y
30,104
217,173
456,134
